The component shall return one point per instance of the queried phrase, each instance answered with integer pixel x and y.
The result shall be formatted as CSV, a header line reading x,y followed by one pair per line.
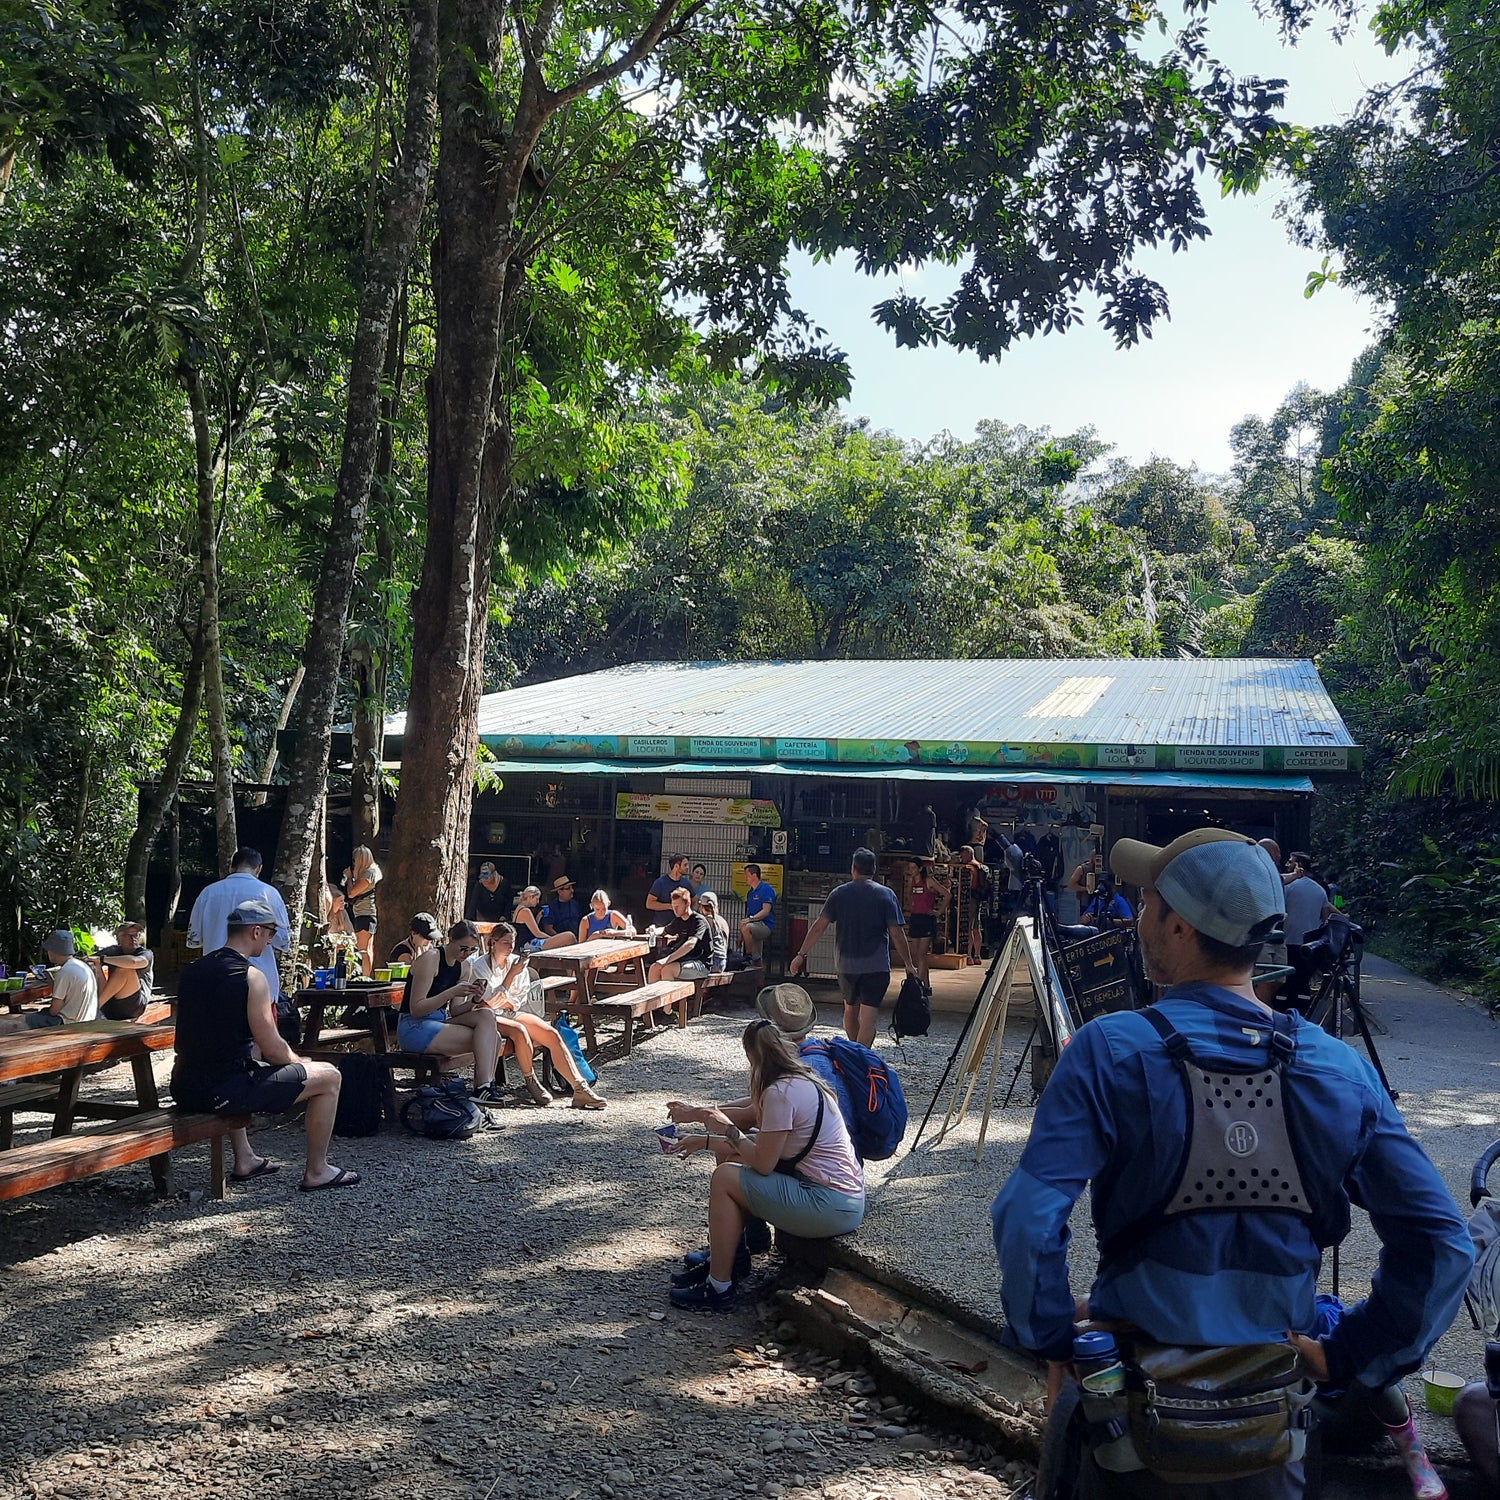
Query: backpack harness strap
x,y
1238,1155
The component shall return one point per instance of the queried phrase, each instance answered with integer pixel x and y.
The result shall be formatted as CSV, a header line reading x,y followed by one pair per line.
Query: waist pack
x,y
444,1112
868,1091
1196,1415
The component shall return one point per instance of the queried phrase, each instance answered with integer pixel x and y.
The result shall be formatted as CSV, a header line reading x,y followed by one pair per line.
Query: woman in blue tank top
x,y
602,918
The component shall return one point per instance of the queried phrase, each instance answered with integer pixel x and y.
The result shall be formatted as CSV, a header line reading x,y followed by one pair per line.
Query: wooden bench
x,y
40,1097
703,984
636,1003
66,1158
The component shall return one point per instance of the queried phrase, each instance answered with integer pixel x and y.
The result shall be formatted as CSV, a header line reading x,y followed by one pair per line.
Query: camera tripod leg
x,y
1015,1077
1358,1011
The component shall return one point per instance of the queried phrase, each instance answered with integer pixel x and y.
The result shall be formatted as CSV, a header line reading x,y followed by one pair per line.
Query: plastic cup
x,y
320,979
1440,1389
382,976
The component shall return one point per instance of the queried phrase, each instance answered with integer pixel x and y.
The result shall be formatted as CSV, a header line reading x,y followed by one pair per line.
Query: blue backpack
x,y
868,1092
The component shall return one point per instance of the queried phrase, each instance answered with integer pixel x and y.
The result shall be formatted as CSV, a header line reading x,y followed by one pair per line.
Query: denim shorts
x,y
417,1033
802,1208
39,1020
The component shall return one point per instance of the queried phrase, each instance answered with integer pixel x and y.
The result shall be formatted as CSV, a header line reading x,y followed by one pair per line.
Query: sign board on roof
x,y
679,807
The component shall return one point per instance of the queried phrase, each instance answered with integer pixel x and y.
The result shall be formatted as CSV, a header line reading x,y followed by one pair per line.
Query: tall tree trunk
x,y
429,833
369,656
221,752
148,829
308,772
482,159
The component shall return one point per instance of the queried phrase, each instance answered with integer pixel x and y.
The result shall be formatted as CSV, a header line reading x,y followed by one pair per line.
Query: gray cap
x,y
60,941
1221,883
789,1008
253,913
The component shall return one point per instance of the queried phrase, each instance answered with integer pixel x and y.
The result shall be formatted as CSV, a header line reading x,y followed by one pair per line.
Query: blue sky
x,y
1241,333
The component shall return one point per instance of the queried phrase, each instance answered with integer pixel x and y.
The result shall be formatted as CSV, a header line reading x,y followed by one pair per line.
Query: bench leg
x,y
7,1128
216,1183
682,1013
629,1032
67,1102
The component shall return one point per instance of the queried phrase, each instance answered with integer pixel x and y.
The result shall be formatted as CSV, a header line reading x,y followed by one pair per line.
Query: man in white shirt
x,y
75,990
208,927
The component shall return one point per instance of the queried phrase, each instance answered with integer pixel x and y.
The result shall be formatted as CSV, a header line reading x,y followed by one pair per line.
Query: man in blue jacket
x,y
1115,1115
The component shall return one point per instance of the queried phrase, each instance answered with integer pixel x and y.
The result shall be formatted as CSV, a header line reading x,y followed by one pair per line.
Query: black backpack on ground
x,y
361,1095
913,1013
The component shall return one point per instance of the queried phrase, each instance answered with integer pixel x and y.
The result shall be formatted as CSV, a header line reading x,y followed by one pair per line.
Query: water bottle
x,y
1102,1377
341,971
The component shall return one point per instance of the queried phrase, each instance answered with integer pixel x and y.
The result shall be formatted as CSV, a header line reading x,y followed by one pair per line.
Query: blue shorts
x,y
37,1020
417,1033
801,1207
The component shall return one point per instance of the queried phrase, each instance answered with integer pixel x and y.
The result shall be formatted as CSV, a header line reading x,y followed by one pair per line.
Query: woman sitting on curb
x,y
441,1010
786,1159
507,982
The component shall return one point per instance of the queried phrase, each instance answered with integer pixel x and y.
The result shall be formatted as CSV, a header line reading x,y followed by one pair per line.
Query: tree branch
x,y
641,48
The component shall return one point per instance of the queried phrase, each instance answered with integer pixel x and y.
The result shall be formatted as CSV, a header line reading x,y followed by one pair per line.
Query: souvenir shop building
x,y
796,764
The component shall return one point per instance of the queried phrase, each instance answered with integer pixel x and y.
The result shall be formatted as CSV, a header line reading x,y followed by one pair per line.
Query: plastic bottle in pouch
x,y
1101,1374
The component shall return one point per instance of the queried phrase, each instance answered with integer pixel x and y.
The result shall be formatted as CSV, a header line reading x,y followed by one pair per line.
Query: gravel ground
x,y
485,1319
489,1319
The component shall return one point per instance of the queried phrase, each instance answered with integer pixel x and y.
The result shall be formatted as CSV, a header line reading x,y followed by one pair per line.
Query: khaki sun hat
x,y
789,1008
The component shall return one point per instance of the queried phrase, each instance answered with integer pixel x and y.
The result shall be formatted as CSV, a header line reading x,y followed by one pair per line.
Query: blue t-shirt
x,y
563,916
1097,910
1114,1118
663,886
862,913
759,901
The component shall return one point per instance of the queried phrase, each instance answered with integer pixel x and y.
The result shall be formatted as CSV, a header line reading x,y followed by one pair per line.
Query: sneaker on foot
x,y
488,1093
702,1297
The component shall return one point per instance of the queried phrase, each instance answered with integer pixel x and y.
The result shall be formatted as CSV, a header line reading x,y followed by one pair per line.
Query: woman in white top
x,y
786,1158
507,982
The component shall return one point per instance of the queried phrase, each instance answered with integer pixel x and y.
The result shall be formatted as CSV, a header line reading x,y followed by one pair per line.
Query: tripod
x,y
1034,903
1340,988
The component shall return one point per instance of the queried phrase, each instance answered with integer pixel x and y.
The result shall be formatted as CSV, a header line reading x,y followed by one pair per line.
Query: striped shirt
x,y
1114,1114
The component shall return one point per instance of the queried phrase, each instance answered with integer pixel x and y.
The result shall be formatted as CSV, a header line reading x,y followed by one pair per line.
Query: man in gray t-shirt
x,y
866,919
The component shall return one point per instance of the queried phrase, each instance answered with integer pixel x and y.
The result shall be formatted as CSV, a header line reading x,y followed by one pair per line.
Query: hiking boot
x,y
539,1095
703,1297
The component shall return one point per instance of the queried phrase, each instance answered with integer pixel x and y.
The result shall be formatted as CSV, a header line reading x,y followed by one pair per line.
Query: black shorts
x,y
921,925
124,1007
865,989
255,1088
364,924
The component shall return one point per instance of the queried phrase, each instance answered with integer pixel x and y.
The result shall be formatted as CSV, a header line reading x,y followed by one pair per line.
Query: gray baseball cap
x,y
253,913
1221,883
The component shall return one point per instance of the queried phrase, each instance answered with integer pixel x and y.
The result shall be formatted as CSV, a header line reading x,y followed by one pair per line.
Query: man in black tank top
x,y
231,1060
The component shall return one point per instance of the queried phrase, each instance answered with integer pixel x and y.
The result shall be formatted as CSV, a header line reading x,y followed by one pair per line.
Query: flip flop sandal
x,y
347,1177
267,1168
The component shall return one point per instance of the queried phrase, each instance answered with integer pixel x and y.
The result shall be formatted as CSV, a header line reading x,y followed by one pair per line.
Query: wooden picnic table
x,y
69,1051
585,963
61,1055
379,999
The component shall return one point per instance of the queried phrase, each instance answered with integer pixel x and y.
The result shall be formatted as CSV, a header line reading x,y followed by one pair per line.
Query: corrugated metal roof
x,y
980,711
